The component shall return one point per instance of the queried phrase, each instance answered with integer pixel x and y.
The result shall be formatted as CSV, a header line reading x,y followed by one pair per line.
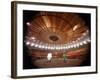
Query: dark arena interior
x,y
56,39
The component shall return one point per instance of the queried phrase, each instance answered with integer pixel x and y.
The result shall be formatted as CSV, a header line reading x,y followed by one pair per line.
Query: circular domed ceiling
x,y
56,31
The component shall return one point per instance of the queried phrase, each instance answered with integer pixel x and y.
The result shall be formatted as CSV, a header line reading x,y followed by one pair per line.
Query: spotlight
x,y
88,40
85,42
28,24
48,47
81,43
42,46
78,39
27,43
39,46
33,38
56,47
36,45
77,44
75,27
74,45
45,47
87,31
69,46
84,34
66,47
32,44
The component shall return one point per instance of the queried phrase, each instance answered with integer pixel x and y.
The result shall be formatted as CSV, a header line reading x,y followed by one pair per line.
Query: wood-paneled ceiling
x,y
56,28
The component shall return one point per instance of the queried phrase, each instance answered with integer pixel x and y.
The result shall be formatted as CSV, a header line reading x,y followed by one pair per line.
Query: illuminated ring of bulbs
x,y
57,46
32,42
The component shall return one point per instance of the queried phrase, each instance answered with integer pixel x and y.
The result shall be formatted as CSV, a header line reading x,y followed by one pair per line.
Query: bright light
x,y
61,47
87,31
53,48
27,43
66,47
74,45
40,46
88,40
28,24
84,34
84,42
36,45
78,39
46,47
77,44
33,38
32,44
75,27
56,47
81,43
69,46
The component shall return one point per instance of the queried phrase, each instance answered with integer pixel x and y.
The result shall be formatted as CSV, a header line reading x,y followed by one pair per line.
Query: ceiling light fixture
x,y
27,43
28,23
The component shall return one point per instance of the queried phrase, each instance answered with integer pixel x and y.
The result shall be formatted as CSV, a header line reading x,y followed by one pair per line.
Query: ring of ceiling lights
x,y
36,44
65,35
